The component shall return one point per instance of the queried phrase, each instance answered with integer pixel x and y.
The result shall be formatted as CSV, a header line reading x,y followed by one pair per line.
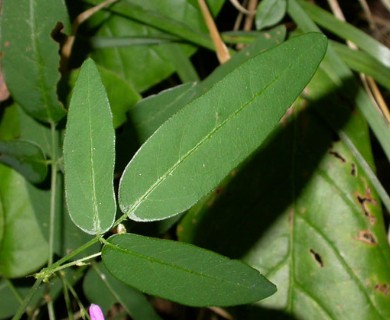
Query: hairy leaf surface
x,y
182,272
89,154
195,149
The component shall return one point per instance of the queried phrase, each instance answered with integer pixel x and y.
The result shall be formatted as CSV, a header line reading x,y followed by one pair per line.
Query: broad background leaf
x,y
303,213
103,289
192,152
89,154
18,216
25,157
182,272
67,237
23,247
155,62
30,55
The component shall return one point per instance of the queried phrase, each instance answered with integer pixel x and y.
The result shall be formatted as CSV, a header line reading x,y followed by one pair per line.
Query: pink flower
x,y
95,312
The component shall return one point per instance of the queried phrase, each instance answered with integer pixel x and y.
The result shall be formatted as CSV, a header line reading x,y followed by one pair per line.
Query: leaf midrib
x,y
173,266
139,201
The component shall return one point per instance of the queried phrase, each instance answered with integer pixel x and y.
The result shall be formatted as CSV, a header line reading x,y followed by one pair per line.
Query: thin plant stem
x,y
67,299
46,273
50,310
74,293
53,191
75,263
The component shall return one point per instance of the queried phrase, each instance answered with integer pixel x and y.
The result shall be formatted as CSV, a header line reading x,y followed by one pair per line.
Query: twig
x,y
220,47
367,13
68,45
241,8
368,83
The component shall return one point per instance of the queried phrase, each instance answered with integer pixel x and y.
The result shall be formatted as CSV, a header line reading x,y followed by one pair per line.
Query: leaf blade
x,y
269,13
134,302
19,257
182,272
192,163
89,154
31,59
25,157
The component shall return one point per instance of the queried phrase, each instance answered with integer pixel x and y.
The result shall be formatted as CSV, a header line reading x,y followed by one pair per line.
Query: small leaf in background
x,y
23,248
25,157
269,13
30,55
102,288
89,154
183,273
193,151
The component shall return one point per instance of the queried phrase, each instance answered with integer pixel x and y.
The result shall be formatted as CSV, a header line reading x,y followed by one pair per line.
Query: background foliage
x,y
260,178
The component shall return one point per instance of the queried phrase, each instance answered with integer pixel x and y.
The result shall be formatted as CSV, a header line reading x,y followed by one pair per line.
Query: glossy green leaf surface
x,y
30,55
89,154
303,213
182,272
19,257
103,289
269,13
25,157
195,149
144,66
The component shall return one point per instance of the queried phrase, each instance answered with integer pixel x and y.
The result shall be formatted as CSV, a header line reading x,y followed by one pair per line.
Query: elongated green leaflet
x,y
89,154
182,272
195,149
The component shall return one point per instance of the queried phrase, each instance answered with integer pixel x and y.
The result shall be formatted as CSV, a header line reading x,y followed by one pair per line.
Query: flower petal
x,y
95,312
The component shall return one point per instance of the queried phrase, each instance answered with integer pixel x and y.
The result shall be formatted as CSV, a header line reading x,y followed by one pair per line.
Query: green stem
x,y
50,310
74,293
46,273
67,299
74,263
53,191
